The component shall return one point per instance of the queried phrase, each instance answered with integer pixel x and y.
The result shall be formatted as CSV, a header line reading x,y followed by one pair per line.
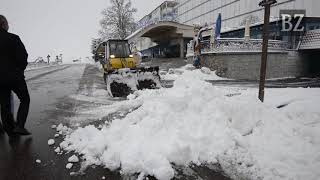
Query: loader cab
x,y
99,54
118,49
118,55
112,49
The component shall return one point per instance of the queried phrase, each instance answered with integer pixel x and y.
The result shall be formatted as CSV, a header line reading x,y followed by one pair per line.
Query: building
x,y
145,38
165,12
235,12
166,31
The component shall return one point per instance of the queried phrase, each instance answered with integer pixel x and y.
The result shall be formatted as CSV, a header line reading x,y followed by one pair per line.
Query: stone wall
x,y
246,65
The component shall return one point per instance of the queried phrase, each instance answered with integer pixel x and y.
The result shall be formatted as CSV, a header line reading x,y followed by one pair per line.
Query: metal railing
x,y
171,17
225,45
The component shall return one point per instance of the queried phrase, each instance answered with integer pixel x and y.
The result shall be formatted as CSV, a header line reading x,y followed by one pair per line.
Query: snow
x,y
204,73
131,79
69,165
39,66
57,150
73,159
195,122
124,76
104,110
98,96
61,129
51,142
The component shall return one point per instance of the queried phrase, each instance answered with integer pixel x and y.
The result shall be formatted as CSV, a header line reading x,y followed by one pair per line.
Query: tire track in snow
x,y
46,73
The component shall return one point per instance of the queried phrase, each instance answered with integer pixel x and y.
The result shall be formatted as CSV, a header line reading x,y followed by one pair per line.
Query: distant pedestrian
x,y
137,56
48,58
196,49
57,58
13,62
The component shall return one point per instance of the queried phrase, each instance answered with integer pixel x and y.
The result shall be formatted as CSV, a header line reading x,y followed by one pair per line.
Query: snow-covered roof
x,y
311,40
157,24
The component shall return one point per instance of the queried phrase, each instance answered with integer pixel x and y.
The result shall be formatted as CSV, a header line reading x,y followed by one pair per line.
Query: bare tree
x,y
95,44
118,21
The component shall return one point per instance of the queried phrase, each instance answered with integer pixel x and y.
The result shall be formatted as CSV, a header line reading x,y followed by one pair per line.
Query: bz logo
x,y
292,20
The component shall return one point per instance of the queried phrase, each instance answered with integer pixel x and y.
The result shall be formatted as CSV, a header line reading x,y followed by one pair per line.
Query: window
x,y
119,49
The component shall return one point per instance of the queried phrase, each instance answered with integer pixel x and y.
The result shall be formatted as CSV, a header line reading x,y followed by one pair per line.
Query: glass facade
x,y
276,32
235,12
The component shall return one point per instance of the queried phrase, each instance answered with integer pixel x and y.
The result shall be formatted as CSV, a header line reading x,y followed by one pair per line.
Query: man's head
x,y
4,23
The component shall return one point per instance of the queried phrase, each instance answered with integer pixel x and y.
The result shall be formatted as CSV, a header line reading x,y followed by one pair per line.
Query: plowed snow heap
x,y
122,72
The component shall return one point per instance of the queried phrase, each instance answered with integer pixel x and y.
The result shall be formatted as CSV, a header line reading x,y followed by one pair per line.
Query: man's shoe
x,y
21,131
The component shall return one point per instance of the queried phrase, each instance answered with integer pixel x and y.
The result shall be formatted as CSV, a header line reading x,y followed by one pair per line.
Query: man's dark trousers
x,y
19,87
13,62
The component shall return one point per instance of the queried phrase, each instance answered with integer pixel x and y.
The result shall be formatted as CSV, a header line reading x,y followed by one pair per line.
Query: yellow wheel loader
x,y
122,72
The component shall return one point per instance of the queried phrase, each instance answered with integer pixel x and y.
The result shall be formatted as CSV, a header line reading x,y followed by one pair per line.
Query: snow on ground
x,y
73,159
203,74
102,103
97,96
40,66
196,122
51,142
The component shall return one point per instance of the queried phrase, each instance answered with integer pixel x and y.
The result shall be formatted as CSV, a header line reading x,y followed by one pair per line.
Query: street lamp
x,y
266,4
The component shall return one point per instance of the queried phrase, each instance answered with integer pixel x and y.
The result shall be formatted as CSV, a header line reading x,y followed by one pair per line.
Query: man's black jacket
x,y
13,57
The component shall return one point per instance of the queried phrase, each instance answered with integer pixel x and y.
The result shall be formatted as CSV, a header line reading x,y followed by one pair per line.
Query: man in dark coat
x,y
13,62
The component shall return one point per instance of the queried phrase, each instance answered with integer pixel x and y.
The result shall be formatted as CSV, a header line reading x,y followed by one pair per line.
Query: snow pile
x,y
195,122
51,142
204,73
73,159
69,165
99,112
57,150
61,129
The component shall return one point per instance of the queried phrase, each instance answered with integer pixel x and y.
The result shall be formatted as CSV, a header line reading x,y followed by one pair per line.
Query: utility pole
x,y
266,4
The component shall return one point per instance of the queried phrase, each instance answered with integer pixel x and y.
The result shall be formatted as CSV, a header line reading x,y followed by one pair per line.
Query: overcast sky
x,y
60,26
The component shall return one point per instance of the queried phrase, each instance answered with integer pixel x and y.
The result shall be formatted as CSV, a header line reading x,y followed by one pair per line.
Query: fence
x,y
225,45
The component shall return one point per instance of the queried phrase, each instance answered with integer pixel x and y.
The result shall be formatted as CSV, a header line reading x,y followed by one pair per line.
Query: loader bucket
x,y
122,82
120,89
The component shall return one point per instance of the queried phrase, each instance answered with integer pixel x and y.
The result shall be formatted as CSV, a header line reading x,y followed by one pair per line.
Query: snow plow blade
x,y
122,82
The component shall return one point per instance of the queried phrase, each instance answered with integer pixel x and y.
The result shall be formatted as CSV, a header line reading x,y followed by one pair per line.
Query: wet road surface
x,y
48,88
50,91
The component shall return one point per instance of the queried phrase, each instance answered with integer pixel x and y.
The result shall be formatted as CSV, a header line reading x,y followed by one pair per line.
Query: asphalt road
x,y
50,90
